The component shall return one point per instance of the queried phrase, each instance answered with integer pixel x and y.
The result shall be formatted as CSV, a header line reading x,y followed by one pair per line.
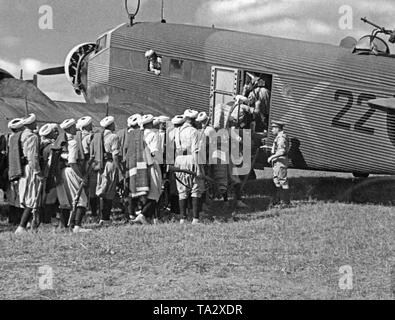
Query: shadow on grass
x,y
257,195
375,190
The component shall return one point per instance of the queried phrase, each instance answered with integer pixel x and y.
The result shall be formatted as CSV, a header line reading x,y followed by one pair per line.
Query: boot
x,y
64,216
12,216
183,209
276,198
20,230
195,207
93,203
27,215
140,219
285,198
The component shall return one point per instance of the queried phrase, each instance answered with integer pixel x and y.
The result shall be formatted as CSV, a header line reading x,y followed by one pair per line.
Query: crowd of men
x,y
73,167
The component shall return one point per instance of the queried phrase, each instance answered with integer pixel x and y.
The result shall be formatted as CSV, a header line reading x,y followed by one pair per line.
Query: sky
x,y
23,44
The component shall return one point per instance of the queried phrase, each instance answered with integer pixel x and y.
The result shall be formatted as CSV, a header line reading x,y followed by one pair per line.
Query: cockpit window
x,y
371,45
101,44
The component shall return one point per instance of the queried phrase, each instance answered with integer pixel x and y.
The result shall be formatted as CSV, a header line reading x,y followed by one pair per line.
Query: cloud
x,y
10,67
58,88
311,20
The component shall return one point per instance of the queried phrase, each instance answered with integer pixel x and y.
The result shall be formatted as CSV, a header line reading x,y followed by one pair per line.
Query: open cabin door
x,y
224,86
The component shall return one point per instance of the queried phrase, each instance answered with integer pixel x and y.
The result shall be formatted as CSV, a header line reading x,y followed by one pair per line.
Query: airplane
x,y
337,101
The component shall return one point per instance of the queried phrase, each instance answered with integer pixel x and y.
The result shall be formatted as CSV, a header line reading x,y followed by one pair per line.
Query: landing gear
x,y
360,175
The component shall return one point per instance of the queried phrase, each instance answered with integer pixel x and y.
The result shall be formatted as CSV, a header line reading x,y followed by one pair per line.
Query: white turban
x,y
16,124
240,98
47,129
30,119
177,120
107,121
202,117
134,120
161,119
67,124
149,53
146,119
192,114
83,122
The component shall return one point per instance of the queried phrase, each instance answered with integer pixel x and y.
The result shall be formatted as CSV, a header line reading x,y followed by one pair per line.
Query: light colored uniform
x,y
92,179
280,165
13,189
187,145
29,183
152,140
71,182
108,180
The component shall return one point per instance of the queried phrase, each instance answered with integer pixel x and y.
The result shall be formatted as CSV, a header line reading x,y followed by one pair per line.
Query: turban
x,y
67,124
47,129
192,114
177,120
149,53
30,119
240,98
161,119
202,117
107,121
134,120
83,122
146,119
15,124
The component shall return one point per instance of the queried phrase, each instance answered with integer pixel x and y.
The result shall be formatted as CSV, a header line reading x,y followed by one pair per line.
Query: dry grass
x,y
276,254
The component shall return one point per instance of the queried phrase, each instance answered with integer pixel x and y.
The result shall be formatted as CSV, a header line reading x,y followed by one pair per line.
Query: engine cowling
x,y
76,65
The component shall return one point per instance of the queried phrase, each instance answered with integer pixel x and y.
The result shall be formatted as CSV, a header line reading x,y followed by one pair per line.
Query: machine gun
x,y
377,30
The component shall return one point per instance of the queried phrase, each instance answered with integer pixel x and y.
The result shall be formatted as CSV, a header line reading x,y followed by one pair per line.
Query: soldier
x,y
48,134
259,99
206,135
177,122
14,154
161,124
112,173
155,62
151,138
71,181
29,183
85,125
187,149
279,160
133,124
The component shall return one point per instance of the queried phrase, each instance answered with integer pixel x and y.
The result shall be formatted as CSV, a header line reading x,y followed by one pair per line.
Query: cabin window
x,y
101,44
201,72
225,80
176,68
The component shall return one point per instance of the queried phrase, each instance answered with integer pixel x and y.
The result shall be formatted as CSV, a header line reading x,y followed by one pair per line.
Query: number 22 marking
x,y
359,125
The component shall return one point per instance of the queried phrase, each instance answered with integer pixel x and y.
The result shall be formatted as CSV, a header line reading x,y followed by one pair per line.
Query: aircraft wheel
x,y
360,175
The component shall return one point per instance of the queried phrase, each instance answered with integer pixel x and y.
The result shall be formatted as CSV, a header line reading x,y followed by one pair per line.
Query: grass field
x,y
294,253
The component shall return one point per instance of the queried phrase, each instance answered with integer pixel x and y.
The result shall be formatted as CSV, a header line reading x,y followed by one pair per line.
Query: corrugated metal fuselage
x,y
320,91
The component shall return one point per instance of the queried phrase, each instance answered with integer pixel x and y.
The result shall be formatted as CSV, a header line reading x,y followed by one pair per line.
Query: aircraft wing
x,y
383,104
19,98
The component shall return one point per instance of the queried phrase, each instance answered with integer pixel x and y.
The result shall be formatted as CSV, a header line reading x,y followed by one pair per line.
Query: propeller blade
x,y
51,71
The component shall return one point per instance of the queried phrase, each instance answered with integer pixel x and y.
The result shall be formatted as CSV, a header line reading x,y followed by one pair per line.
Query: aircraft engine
x,y
76,65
